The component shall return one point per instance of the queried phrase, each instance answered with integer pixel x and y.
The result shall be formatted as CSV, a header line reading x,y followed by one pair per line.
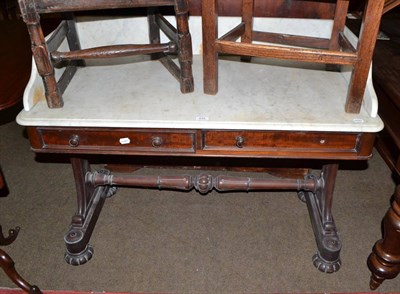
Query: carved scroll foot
x,y
326,266
79,258
384,261
12,235
327,259
78,251
90,203
319,204
8,266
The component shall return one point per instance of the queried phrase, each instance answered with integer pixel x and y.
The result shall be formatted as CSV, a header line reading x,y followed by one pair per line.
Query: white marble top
x,y
252,96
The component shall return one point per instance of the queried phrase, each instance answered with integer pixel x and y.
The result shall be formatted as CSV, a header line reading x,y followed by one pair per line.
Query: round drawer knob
x,y
156,142
74,141
239,141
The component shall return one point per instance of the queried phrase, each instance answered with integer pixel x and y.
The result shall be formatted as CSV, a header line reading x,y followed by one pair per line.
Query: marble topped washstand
x,y
293,112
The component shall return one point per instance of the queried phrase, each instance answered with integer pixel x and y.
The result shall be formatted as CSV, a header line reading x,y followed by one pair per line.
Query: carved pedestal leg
x,y
319,203
90,201
384,261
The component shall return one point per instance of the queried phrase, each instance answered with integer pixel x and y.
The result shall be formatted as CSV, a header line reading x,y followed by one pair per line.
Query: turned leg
x,y
210,54
40,53
319,204
384,261
8,266
185,54
90,201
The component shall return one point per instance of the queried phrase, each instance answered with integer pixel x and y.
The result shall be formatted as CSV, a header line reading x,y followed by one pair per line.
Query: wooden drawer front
x,y
279,141
118,140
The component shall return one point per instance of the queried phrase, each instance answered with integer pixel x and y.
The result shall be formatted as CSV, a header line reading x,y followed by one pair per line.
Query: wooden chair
x,y
390,4
46,55
334,51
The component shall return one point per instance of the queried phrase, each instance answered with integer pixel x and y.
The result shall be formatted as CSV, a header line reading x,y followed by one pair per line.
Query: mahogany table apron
x,y
93,187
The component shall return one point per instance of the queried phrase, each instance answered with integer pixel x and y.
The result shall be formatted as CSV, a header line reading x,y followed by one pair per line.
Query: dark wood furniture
x,y
46,56
149,130
207,145
94,187
384,261
334,51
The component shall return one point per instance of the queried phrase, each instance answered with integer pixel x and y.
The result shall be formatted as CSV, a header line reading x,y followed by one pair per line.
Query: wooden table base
x,y
94,187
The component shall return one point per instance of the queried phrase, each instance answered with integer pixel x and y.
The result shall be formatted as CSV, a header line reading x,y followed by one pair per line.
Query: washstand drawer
x,y
115,139
264,141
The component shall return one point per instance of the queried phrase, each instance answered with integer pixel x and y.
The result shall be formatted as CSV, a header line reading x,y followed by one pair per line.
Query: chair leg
x,y
185,54
154,30
210,54
370,27
339,23
247,19
41,54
